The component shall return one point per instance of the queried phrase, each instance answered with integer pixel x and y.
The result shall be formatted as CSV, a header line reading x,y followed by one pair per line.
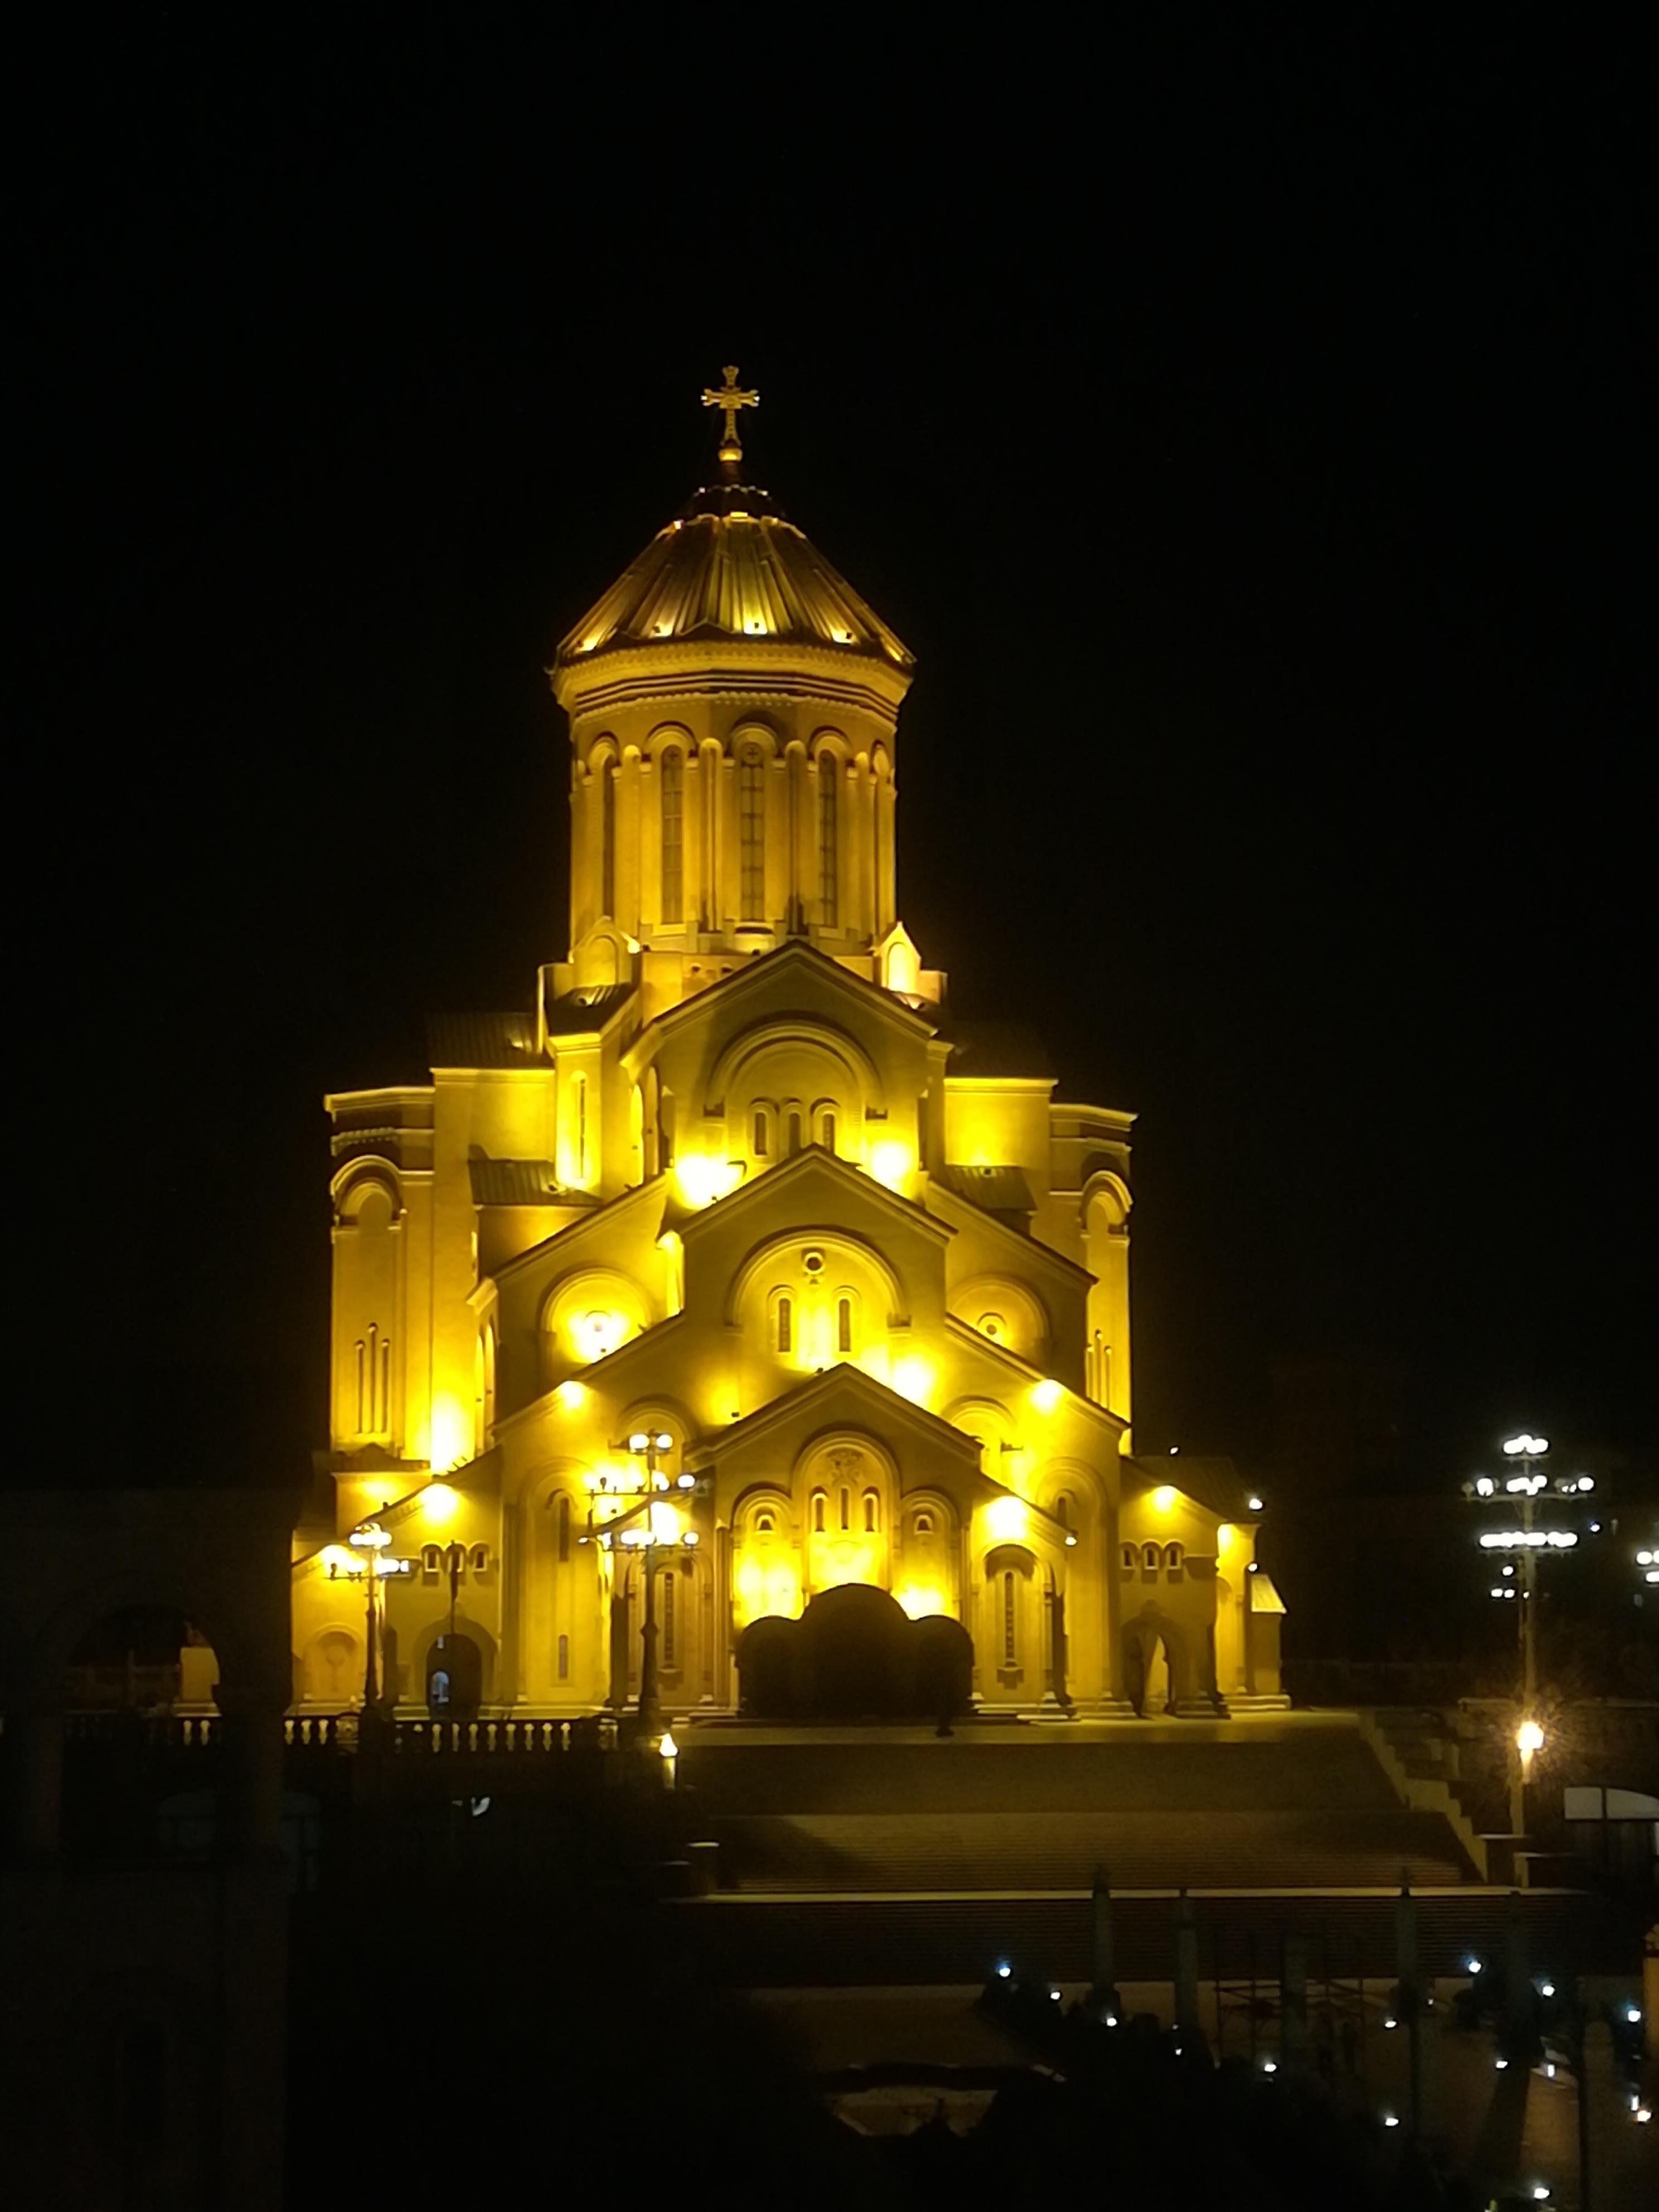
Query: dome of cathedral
x,y
730,566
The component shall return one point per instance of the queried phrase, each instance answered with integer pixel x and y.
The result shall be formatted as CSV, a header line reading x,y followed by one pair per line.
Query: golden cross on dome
x,y
729,398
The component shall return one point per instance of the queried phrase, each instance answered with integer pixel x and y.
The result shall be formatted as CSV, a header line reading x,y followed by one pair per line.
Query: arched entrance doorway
x,y
454,1678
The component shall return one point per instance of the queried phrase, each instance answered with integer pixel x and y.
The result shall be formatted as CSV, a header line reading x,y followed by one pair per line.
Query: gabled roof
x,y
521,1183
767,969
587,1011
876,1402
993,1191
1207,1478
1030,1249
472,1041
812,1164
998,1355
574,1233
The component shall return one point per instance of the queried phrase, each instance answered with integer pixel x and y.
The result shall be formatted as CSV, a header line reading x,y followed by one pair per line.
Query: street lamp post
x,y
649,1527
370,1540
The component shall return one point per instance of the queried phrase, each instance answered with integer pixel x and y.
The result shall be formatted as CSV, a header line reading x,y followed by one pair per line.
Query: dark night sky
x,y
1258,428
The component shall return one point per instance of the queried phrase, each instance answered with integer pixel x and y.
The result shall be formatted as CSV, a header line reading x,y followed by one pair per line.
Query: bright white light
x,y
639,1441
1502,2064
1474,1965
1111,2020
1483,1485
1540,2191
664,1442
1528,1738
1270,2066
668,1748
1003,1971
1391,2021
1634,2015
1546,1989
1549,2073
1256,1505
1643,2115
1391,2119
1644,1559
1054,1993
1586,1482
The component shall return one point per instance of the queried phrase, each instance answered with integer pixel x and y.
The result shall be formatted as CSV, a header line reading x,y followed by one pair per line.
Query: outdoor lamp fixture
x,y
370,1540
669,1752
648,1444
1525,1447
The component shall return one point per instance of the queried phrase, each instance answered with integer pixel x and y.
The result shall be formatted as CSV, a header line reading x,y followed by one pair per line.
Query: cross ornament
x,y
728,399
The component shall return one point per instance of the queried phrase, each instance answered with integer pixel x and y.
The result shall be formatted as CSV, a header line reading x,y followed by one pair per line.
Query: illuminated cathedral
x,y
731,1329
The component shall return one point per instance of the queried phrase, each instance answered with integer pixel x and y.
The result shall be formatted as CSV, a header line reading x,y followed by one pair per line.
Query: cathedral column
x,y
648,909
779,848
627,802
883,799
727,900
855,837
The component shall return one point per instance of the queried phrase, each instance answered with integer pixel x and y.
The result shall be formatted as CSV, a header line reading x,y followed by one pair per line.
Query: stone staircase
x,y
1220,1848
1432,1773
1250,1806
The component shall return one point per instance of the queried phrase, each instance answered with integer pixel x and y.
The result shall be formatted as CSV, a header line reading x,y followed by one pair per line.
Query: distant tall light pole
x,y
1522,1487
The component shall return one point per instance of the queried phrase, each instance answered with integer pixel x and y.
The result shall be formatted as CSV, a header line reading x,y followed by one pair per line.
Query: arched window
x,y
829,905
673,834
480,1560
1174,1561
924,1524
1063,1509
1149,1559
794,1132
1128,1557
872,1512
670,1618
826,1132
561,1522
751,835
764,1525
432,1560
564,1658
759,1135
1010,1618
818,1505
607,842
844,1326
846,1508
786,1324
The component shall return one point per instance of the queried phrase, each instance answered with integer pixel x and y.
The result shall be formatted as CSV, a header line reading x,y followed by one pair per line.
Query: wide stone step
x,y
1273,1850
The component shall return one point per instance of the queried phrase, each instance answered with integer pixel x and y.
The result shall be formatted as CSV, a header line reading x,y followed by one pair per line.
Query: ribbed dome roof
x,y
729,566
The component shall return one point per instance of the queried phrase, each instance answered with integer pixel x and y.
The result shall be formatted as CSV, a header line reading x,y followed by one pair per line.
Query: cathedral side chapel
x,y
732,1328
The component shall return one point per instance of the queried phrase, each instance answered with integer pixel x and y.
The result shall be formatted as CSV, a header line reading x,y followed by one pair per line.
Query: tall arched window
x,y
794,1133
829,903
786,1324
564,1658
673,835
751,835
871,1513
561,1517
846,1508
817,1513
759,1141
607,841
669,1619
1009,1619
844,1327
826,1132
